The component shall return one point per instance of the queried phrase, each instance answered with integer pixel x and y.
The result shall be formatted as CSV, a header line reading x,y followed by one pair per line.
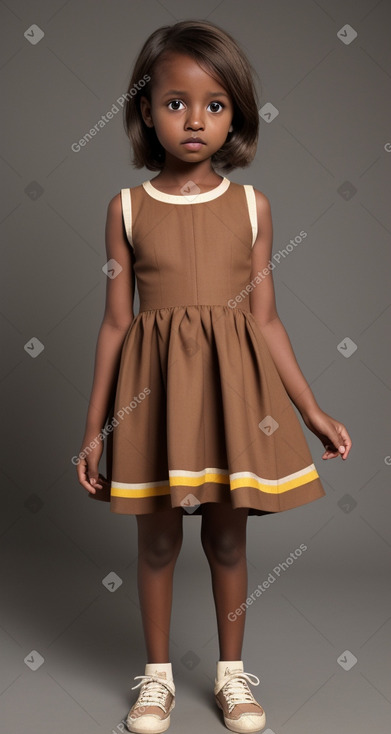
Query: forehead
x,y
182,71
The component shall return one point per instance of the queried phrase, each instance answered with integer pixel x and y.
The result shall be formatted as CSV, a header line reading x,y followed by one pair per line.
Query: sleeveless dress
x,y
200,412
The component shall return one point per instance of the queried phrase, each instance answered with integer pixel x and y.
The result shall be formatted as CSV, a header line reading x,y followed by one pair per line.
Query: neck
x,y
178,173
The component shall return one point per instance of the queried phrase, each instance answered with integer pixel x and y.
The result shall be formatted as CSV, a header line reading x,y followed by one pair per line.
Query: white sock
x,y
232,665
156,668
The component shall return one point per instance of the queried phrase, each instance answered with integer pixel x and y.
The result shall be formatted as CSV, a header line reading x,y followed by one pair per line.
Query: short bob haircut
x,y
220,56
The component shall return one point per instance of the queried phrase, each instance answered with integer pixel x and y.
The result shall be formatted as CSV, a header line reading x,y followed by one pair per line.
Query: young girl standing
x,y
204,377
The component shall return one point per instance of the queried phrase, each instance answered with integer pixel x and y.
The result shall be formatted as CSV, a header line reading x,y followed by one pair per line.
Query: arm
x,y
263,307
118,316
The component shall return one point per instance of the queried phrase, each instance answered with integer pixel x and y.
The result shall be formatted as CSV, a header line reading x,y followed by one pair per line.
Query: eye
x,y
174,101
216,103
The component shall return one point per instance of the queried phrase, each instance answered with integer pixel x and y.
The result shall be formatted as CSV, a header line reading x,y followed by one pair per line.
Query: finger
x,y
340,446
102,482
347,442
85,483
87,478
94,479
105,489
333,445
330,452
82,474
89,487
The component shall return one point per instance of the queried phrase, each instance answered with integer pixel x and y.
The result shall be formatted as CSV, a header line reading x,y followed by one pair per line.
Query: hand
x,y
87,469
333,434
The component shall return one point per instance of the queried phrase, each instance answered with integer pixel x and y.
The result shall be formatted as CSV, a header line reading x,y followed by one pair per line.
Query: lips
x,y
193,140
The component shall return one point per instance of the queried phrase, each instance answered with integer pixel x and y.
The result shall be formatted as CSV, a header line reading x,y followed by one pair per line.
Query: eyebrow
x,y
182,92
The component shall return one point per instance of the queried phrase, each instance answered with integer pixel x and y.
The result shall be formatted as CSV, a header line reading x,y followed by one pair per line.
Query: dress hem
x,y
256,501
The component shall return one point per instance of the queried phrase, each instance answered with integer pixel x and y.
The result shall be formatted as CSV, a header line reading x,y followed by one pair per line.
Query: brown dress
x,y
200,414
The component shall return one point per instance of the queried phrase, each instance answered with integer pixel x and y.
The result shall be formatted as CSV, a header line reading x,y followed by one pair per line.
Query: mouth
x,y
193,143
193,140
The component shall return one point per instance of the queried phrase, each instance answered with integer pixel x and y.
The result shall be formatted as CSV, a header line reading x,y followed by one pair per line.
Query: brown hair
x,y
216,51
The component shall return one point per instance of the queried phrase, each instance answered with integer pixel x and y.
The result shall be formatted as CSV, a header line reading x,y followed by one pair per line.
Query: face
x,y
187,103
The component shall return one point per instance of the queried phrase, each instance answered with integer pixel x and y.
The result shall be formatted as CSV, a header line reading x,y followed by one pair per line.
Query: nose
x,y
194,119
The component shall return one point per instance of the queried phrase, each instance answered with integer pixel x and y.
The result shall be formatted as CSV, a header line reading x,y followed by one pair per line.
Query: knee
x,y
162,550
226,549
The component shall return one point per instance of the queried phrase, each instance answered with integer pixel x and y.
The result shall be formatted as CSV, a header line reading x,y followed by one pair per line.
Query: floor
x,y
317,631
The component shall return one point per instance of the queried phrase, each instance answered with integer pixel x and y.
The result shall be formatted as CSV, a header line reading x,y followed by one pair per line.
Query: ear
x,y
145,108
230,129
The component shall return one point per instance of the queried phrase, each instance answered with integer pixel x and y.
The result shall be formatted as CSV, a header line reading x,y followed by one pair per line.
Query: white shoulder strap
x,y
127,213
252,210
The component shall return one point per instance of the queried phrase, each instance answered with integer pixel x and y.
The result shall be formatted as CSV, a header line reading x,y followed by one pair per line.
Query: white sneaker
x,y
150,714
241,712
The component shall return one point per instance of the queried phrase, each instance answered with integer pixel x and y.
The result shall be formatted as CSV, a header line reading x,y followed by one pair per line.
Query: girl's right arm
x,y
118,316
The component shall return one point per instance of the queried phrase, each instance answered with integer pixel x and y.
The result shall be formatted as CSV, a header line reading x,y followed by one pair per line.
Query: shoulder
x,y
114,207
118,206
264,212
115,215
262,202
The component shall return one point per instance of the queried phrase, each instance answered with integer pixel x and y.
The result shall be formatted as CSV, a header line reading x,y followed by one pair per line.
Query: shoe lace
x,y
236,690
153,691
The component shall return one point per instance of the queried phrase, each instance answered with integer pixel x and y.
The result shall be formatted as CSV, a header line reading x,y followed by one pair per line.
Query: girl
x,y
204,377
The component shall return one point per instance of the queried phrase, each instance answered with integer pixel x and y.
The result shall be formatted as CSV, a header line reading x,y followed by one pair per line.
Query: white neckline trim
x,y
191,198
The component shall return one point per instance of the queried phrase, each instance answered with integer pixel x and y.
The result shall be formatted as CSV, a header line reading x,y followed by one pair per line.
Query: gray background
x,y
324,162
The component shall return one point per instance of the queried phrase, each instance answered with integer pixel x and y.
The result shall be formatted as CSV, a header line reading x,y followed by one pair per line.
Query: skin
x,y
176,117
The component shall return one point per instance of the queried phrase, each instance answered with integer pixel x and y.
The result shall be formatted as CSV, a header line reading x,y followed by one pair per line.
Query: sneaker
x,y
241,711
150,714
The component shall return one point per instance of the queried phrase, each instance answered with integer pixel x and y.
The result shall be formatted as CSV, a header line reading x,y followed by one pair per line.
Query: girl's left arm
x,y
331,432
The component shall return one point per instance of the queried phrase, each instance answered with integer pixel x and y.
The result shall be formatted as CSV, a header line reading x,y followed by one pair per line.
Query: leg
x,y
160,537
223,536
